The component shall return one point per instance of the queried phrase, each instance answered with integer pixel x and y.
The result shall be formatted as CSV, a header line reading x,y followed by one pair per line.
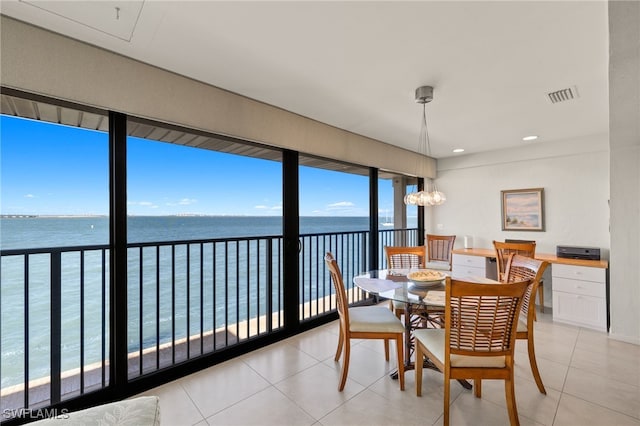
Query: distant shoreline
x,y
31,216
65,216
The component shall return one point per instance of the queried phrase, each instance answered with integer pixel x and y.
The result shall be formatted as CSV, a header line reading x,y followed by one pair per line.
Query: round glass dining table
x,y
420,302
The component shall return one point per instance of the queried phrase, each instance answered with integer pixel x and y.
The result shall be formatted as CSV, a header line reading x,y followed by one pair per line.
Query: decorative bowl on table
x,y
426,277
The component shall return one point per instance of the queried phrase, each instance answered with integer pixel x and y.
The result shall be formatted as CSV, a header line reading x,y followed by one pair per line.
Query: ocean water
x,y
38,232
46,232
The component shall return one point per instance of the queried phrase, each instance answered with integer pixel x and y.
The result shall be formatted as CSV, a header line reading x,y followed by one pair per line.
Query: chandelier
x,y
424,95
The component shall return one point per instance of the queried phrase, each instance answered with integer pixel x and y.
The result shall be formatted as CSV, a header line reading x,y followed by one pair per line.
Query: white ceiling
x,y
355,65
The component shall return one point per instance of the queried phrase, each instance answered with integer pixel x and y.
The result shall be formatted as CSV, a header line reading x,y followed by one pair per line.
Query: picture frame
x,y
523,209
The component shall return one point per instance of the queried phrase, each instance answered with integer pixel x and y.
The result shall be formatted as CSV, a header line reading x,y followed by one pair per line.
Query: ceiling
x,y
355,65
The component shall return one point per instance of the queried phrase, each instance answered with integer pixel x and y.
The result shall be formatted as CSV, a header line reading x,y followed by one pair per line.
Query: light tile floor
x,y
590,380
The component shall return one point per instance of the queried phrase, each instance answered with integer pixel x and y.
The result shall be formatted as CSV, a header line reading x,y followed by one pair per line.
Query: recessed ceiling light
x,y
530,138
458,150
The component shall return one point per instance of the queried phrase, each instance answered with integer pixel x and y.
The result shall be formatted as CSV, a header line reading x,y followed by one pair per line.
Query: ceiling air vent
x,y
563,95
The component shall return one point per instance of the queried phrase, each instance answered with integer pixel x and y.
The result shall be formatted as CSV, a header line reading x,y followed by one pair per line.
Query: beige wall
x,y
42,62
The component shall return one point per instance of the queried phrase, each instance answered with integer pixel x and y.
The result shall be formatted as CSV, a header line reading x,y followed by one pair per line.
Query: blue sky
x,y
49,169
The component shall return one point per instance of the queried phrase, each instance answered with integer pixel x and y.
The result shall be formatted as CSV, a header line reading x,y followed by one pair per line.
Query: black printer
x,y
574,252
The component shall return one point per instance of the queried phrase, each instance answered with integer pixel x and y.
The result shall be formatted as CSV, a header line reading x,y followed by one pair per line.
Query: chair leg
x,y
418,367
345,365
510,394
477,388
534,364
386,350
340,343
447,395
541,297
400,350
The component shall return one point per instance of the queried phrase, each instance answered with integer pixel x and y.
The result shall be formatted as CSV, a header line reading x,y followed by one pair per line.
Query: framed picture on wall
x,y
523,209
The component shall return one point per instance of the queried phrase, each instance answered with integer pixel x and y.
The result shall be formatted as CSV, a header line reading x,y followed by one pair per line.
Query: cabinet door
x,y
581,310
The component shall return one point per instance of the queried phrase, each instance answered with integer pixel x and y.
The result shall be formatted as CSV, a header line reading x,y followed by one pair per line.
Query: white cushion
x,y
439,265
374,319
433,338
144,410
522,326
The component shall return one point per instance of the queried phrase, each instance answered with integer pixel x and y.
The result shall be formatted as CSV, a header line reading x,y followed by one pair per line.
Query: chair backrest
x,y
341,293
439,247
520,268
404,257
481,319
503,250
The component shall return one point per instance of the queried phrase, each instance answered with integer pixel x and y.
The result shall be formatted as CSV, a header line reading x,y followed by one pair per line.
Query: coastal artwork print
x,y
523,209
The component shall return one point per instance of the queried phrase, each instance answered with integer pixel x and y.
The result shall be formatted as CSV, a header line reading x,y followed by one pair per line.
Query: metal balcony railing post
x,y
56,326
269,295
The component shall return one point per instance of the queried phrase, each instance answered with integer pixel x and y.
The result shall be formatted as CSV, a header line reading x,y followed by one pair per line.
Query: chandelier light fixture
x,y
424,95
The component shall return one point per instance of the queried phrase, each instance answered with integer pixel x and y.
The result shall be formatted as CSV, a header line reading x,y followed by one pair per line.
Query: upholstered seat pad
x,y
374,319
522,326
433,338
439,265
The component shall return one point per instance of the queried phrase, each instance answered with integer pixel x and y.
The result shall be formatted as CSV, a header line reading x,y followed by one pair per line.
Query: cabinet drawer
x,y
587,288
466,272
465,260
578,273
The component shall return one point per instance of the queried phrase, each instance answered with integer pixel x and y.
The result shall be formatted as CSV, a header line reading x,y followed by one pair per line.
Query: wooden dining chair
x,y
478,339
521,268
504,249
403,257
439,251
365,322
522,247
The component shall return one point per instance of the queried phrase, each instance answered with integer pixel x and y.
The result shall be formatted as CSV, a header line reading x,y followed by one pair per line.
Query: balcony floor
x,y
590,380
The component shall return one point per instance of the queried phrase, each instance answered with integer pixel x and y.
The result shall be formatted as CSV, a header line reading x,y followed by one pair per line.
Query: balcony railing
x,y
186,299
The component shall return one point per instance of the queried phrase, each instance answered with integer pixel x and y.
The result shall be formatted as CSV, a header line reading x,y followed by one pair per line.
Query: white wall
x,y
576,194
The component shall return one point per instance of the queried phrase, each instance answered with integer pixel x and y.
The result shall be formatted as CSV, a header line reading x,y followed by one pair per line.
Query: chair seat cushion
x,y
439,265
433,338
374,319
522,326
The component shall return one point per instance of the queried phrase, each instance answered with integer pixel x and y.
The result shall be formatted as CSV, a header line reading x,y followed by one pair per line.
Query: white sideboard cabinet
x,y
580,295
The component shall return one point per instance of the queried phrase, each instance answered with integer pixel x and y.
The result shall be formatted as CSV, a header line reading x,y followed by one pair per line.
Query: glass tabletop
x,y
395,285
